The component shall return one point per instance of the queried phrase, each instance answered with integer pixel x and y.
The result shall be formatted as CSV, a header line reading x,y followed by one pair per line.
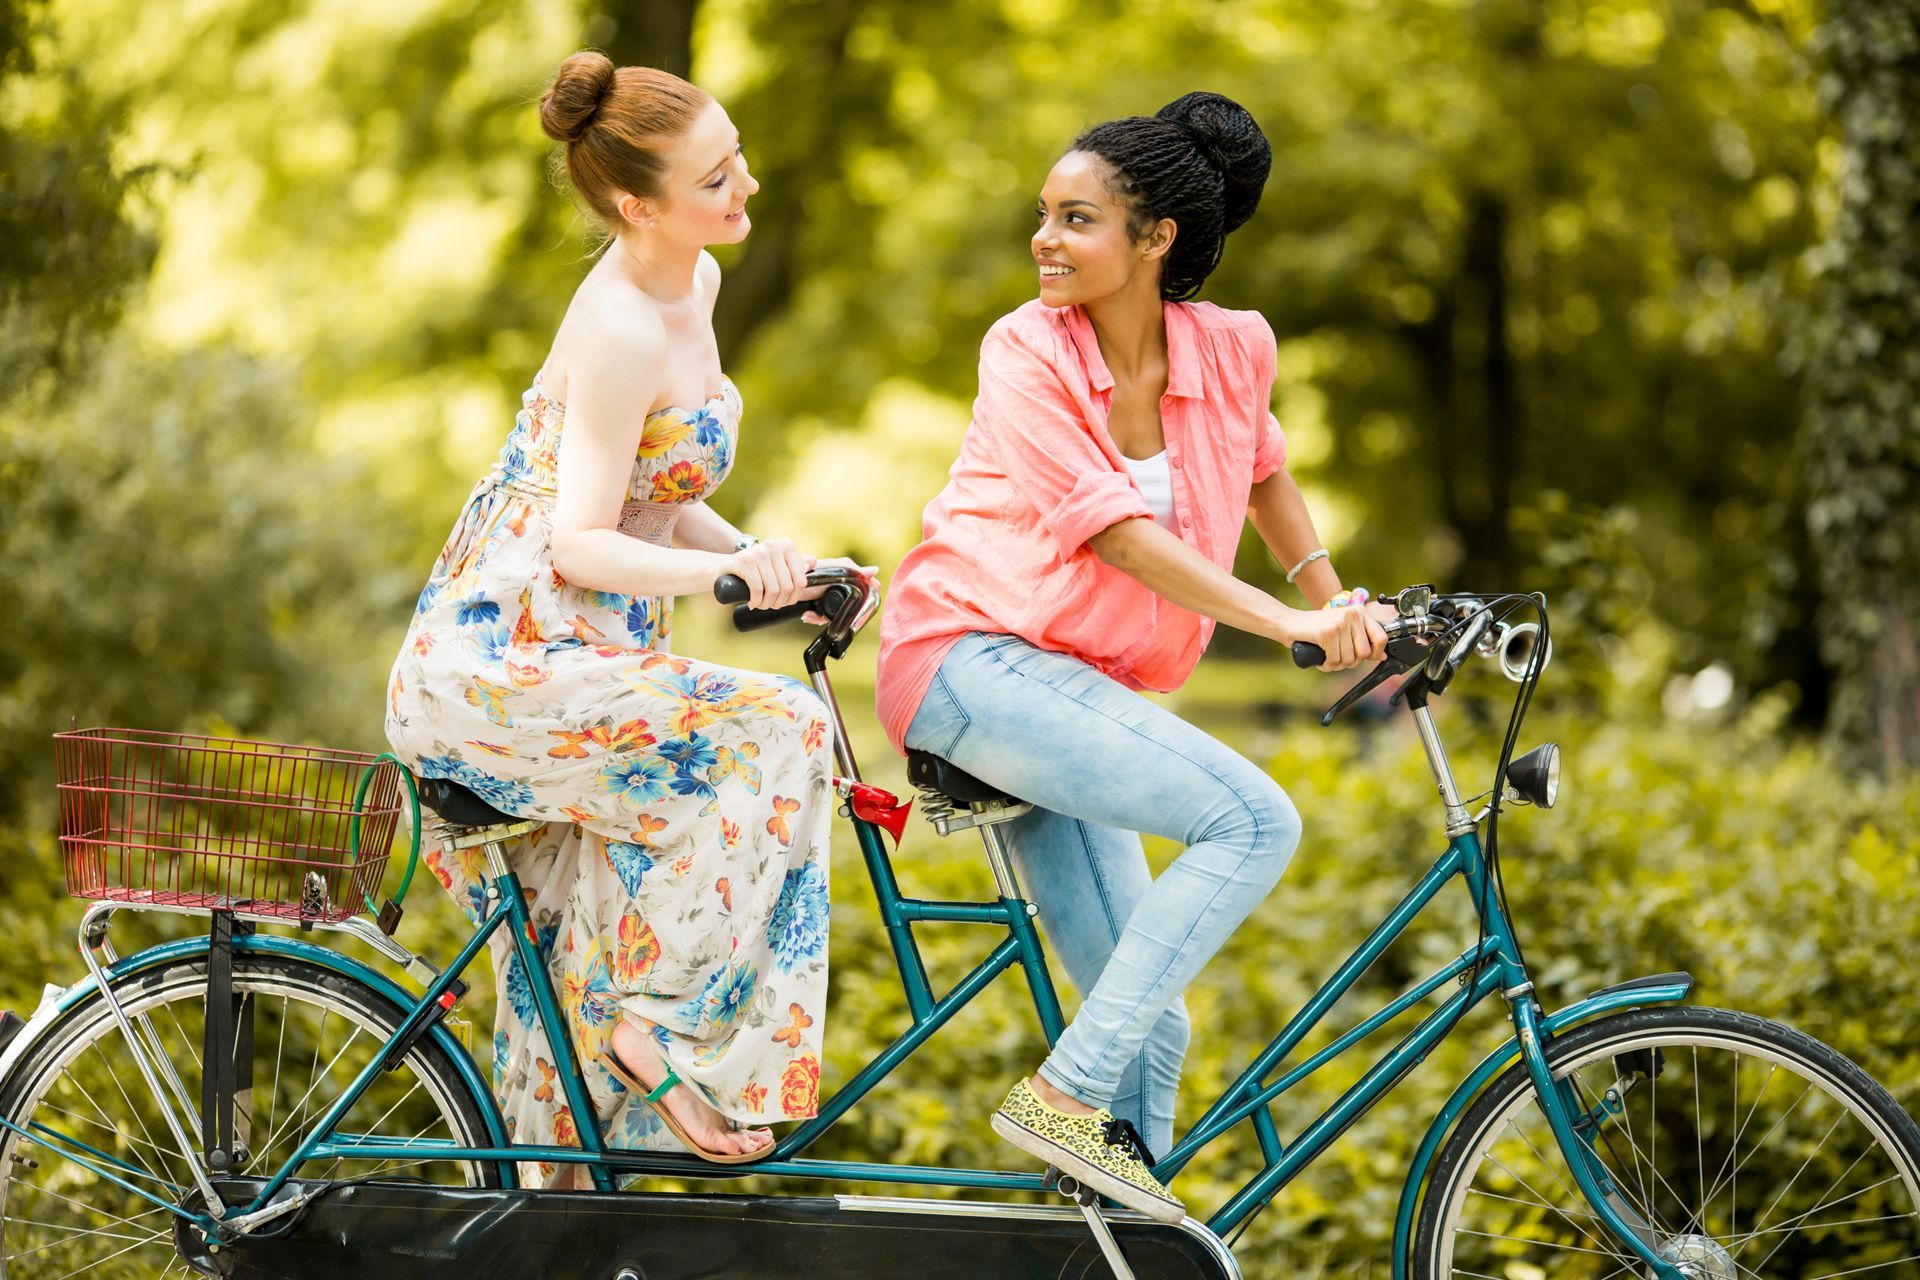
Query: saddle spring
x,y
949,815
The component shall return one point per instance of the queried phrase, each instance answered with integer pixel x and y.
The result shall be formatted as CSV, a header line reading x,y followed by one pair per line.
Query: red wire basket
x,y
257,828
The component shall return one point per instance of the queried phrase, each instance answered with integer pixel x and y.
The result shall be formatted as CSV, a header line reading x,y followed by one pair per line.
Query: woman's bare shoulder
x,y
610,335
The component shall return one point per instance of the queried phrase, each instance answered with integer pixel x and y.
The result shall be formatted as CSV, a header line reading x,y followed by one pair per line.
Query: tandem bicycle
x,y
251,1101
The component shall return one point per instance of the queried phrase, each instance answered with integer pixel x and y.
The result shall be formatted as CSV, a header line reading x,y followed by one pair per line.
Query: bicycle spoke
x,y
109,1128
66,1219
1639,1174
1822,1200
187,1040
97,1262
146,1238
1541,1204
1795,1178
1699,1144
1897,1262
1802,1180
1733,1178
374,1128
107,1124
1645,1208
139,1119
1659,1179
318,1080
1544,1163
1551,1244
84,1207
1556,1208
155,1044
1844,1222
273,1081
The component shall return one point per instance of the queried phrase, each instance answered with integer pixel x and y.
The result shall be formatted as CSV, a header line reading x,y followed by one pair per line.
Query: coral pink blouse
x,y
1004,544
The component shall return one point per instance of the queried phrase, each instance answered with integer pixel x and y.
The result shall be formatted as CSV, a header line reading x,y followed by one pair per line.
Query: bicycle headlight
x,y
1535,777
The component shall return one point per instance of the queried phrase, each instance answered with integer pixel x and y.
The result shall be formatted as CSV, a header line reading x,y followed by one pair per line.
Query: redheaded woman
x,y
680,886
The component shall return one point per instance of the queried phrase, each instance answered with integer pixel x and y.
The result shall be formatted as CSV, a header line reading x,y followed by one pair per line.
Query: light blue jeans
x,y
1100,764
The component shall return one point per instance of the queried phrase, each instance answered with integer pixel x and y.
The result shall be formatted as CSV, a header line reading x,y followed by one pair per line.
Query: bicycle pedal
x,y
1077,1191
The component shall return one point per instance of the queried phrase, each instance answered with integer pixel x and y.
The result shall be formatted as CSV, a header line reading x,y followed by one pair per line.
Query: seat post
x,y
1003,877
454,837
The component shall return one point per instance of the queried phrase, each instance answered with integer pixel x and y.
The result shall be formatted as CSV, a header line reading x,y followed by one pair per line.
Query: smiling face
x,y
704,197
1084,247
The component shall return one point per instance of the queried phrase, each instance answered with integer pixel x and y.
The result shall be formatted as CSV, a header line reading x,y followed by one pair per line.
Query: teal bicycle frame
x,y
1492,966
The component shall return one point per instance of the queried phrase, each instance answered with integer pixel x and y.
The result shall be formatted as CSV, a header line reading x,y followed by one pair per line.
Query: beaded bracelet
x,y
1358,595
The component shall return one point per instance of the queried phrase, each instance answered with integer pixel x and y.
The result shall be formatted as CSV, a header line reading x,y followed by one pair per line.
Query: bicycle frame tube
x,y
1248,1096
509,909
1020,948
1488,967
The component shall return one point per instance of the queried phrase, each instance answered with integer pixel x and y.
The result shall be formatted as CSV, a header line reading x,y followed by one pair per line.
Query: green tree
x,y
1862,430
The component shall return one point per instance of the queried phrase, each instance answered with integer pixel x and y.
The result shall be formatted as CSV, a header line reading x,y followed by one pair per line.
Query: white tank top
x,y
1156,486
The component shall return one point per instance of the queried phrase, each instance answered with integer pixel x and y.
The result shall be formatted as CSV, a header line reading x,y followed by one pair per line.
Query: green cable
x,y
353,834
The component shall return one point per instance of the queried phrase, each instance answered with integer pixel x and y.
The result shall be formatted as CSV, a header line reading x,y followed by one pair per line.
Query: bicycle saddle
x,y
929,772
458,805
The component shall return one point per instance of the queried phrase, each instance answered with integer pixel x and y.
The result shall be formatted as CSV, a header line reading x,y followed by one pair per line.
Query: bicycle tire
x,y
57,1219
1624,1044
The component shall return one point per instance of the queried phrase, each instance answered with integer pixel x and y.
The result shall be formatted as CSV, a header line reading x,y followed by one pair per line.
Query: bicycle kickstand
x,y
1089,1204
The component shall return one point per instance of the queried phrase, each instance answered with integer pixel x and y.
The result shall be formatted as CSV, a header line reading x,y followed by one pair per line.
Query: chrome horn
x,y
1513,647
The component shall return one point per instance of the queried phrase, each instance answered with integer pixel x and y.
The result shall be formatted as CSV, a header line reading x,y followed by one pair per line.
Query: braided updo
x,y
1202,161
618,125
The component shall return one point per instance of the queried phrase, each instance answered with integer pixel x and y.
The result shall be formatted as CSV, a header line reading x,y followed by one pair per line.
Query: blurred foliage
x,y
1783,886
272,279
1862,440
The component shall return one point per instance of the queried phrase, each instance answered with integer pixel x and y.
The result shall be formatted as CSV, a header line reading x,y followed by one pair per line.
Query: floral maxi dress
x,y
681,878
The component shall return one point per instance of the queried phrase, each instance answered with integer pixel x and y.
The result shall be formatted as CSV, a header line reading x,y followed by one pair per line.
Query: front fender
x,y
1661,989
55,1003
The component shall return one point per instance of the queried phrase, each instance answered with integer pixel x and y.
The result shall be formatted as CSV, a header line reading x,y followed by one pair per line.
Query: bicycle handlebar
x,y
843,586
1307,654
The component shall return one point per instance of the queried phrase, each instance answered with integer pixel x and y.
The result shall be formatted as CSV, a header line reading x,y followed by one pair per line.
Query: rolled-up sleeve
x,y
1269,441
1046,445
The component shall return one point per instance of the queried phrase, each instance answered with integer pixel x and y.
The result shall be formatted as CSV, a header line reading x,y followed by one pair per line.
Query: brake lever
x,y
1403,655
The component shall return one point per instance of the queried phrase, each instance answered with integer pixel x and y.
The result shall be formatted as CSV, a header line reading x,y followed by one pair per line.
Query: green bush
x,y
1785,888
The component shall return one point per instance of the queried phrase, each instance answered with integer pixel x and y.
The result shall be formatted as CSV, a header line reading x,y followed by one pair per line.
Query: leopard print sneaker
x,y
1101,1152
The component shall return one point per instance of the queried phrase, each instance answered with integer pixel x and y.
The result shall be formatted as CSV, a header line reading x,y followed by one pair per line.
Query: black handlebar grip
x,y
831,601
1307,654
730,588
745,619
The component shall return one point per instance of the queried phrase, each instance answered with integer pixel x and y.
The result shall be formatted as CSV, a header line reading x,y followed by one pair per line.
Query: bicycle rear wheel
x,y
313,1030
1751,1149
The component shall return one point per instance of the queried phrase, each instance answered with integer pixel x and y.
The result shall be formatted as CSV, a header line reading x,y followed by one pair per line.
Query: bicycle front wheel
x,y
1747,1148
312,1032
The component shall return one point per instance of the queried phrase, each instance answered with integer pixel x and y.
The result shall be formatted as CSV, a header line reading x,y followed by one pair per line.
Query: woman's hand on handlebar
x,y
1348,635
775,572
871,572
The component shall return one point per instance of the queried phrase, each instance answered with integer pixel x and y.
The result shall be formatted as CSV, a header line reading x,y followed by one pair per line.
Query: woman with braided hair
x,y
1081,551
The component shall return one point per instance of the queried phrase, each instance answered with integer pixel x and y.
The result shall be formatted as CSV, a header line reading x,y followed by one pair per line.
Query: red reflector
x,y
447,999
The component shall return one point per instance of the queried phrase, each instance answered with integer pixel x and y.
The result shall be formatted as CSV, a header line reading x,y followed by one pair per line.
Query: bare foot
x,y
1059,1101
709,1129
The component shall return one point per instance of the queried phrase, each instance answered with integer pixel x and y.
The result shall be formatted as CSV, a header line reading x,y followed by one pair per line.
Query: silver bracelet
x,y
1318,553
745,540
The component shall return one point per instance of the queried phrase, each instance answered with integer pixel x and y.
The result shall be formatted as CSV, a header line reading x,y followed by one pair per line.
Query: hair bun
x,y
578,90
1226,134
